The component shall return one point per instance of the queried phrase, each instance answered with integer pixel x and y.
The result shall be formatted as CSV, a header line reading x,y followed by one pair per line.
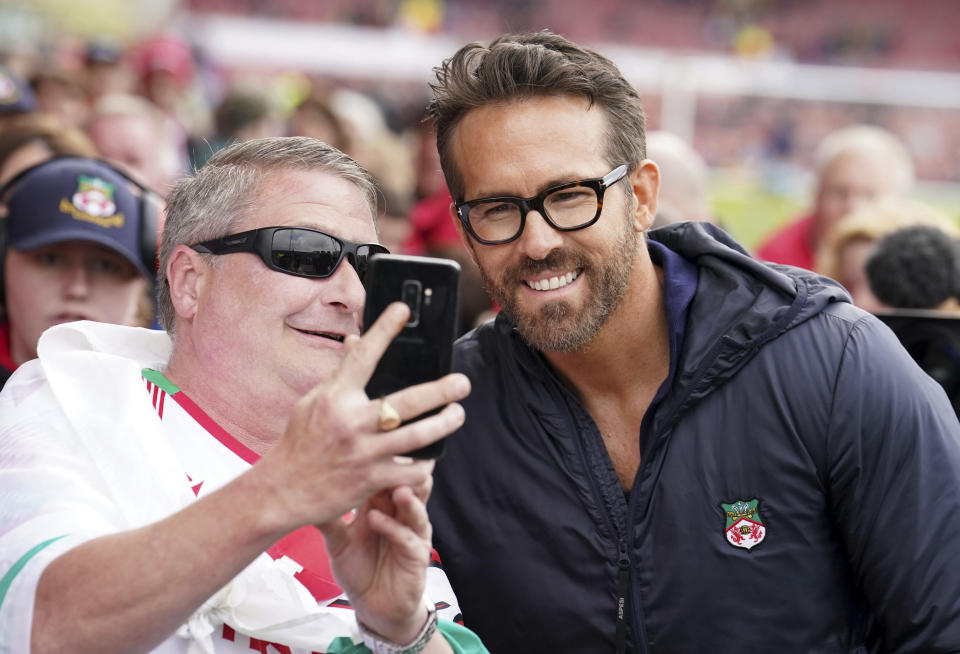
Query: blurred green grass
x,y
750,212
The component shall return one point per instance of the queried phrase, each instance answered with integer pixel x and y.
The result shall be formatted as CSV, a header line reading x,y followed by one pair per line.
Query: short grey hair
x,y
871,140
226,191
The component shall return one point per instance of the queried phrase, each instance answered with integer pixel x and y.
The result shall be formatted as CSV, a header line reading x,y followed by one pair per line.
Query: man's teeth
x,y
554,282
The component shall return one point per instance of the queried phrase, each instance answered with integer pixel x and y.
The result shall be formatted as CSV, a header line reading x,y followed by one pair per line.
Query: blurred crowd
x,y
780,135
159,108
816,31
156,112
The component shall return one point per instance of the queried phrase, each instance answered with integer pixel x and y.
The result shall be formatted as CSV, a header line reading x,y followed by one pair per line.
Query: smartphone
x,y
423,350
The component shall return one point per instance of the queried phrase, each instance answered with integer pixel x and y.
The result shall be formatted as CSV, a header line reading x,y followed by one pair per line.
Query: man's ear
x,y
187,274
464,237
645,182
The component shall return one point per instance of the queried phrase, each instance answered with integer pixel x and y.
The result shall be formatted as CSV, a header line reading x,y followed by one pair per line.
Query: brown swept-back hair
x,y
519,66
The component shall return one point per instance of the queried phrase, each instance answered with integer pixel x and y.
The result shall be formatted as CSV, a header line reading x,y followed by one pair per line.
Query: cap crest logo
x,y
744,527
93,202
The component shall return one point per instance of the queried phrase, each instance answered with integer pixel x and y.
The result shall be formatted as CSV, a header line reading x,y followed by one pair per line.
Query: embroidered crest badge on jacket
x,y
744,527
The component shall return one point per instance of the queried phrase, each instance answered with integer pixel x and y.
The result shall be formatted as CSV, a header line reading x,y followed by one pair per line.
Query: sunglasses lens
x,y
304,252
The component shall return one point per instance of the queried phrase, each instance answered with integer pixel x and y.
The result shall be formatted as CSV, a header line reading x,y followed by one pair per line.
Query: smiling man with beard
x,y
670,446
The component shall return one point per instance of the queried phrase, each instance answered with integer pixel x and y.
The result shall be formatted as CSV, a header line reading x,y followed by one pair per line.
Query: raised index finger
x,y
364,352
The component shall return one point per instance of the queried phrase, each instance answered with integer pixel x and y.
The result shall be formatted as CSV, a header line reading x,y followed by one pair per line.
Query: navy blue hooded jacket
x,y
799,488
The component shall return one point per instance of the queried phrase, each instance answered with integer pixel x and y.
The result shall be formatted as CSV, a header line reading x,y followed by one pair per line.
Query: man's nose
x,y
539,238
344,289
76,280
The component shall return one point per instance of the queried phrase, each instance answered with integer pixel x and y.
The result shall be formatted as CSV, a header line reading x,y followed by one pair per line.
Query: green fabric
x,y
158,379
15,569
461,639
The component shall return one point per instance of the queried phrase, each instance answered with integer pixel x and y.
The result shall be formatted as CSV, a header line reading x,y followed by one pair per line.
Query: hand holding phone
x,y
423,350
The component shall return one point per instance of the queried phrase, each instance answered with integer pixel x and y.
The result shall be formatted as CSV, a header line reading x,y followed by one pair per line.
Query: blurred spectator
x,y
165,68
166,72
73,251
16,97
371,143
32,138
684,180
107,70
430,180
131,132
853,165
916,268
60,93
847,246
393,222
241,115
313,117
432,224
916,272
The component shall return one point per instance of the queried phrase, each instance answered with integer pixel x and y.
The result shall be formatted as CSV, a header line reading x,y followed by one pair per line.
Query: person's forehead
x,y
315,199
113,123
556,138
865,168
539,121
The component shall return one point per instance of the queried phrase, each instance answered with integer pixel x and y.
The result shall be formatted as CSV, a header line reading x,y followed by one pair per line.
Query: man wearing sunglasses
x,y
234,489
672,447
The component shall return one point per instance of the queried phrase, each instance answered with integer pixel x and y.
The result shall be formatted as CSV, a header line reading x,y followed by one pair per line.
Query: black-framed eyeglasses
x,y
566,207
296,250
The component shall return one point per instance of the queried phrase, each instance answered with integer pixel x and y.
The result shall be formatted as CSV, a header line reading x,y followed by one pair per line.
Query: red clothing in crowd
x,y
432,225
790,245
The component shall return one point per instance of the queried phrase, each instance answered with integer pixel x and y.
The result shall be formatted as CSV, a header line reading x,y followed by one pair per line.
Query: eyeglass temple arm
x,y
228,244
614,175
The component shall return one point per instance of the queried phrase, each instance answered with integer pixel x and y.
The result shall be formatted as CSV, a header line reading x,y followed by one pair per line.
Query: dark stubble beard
x,y
559,326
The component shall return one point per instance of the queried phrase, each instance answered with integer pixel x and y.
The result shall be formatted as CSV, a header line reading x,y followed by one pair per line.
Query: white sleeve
x,y
50,499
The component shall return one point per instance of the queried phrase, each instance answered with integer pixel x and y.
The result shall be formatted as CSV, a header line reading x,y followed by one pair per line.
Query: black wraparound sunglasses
x,y
296,250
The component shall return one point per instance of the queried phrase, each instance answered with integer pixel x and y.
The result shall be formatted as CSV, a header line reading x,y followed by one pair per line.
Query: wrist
x,y
411,643
262,499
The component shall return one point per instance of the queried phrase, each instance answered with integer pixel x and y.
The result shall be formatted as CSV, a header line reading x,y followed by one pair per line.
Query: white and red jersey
x,y
211,458
93,441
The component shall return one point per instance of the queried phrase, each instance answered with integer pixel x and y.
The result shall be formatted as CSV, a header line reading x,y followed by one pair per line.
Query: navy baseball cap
x,y
75,199
16,97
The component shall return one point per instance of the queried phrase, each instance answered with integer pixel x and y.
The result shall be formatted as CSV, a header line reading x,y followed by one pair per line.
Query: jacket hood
x,y
740,305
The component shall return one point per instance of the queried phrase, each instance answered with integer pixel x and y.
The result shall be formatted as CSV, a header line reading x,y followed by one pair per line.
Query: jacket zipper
x,y
623,615
623,588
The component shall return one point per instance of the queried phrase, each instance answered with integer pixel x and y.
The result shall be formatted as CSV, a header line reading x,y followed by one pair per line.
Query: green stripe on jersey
x,y
8,578
158,379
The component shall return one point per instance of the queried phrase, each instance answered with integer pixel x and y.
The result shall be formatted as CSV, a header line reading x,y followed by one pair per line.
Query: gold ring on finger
x,y
389,418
